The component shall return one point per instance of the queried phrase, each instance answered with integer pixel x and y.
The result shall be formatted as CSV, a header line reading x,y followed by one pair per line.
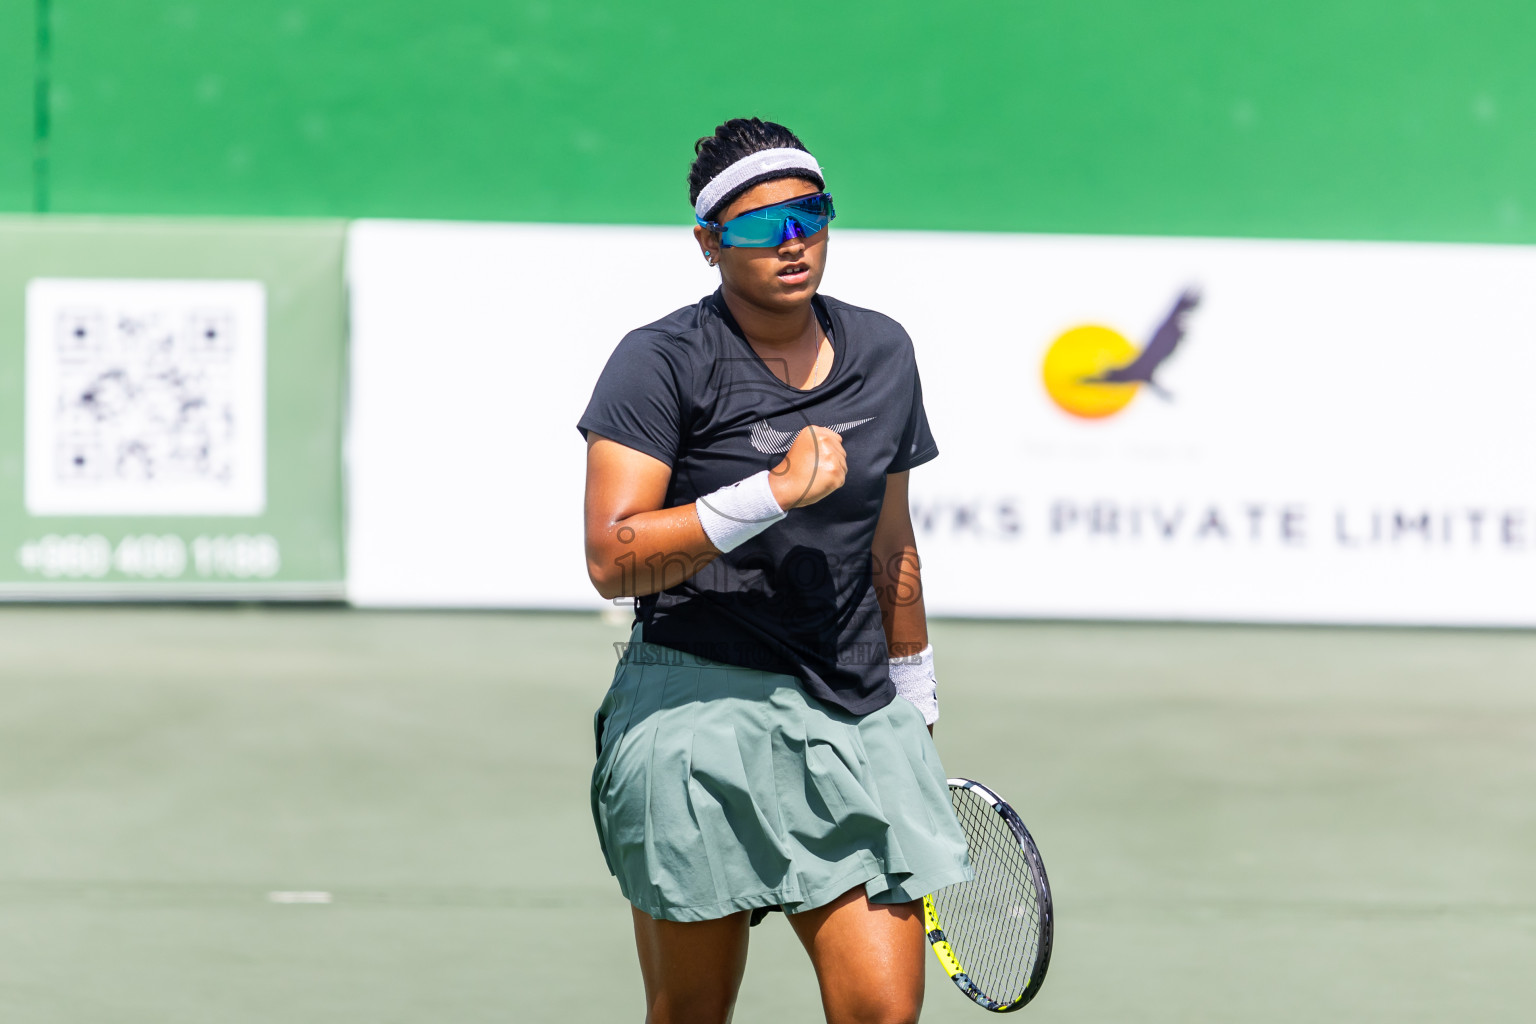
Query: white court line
x,y
298,897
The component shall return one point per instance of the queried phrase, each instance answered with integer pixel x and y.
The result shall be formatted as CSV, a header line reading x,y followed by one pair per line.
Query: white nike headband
x,y
767,162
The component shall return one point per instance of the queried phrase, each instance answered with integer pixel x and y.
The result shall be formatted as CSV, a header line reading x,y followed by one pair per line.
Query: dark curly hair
x,y
740,137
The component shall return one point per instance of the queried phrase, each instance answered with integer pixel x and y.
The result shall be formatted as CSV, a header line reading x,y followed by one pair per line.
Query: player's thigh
x,y
692,971
869,958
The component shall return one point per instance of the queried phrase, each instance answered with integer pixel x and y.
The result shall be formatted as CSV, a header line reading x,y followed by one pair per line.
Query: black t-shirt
x,y
798,598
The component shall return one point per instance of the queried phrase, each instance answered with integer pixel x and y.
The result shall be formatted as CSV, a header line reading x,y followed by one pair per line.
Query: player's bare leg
x,y
869,958
692,971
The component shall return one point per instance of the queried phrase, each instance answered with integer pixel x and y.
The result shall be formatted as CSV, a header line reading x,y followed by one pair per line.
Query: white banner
x,y
474,351
1130,428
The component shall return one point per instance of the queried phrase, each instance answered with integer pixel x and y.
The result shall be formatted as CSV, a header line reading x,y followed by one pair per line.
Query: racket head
x,y
993,934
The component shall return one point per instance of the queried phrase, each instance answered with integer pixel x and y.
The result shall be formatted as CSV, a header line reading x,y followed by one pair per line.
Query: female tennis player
x,y
747,461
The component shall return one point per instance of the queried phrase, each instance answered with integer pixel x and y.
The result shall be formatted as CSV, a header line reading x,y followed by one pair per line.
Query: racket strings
x,y
999,927
992,922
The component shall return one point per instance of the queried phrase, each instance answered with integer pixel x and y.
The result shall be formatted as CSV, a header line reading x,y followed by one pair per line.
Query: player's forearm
x,y
647,552
899,588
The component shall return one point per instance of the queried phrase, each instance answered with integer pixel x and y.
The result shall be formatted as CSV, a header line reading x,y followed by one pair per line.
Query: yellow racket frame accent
x,y
951,963
941,947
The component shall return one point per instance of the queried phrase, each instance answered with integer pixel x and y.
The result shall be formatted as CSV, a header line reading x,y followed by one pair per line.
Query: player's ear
x,y
709,243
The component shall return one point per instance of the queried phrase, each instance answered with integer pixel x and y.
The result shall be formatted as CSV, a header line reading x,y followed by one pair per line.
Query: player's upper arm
x,y
621,482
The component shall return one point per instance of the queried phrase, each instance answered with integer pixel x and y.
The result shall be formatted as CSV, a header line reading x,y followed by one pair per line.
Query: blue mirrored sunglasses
x,y
774,225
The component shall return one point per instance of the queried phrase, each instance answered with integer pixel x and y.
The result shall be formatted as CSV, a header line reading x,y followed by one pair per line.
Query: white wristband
x,y
734,515
915,681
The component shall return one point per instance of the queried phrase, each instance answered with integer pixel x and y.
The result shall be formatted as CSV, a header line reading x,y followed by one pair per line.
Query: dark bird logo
x,y
1094,371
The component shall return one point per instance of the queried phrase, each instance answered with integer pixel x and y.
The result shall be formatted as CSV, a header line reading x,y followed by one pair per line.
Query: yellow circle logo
x,y
1074,368
1094,371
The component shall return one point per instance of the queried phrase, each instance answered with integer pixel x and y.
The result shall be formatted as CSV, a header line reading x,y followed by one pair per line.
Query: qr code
x,y
145,397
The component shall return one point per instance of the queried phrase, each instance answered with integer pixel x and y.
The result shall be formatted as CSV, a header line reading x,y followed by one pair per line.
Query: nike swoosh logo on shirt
x,y
776,442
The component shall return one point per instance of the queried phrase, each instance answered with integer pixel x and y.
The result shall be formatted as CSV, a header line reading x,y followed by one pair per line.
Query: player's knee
x,y
888,1008
906,1014
896,1013
693,1008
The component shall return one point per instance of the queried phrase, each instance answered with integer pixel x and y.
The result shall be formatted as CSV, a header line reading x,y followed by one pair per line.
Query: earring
x,y
707,259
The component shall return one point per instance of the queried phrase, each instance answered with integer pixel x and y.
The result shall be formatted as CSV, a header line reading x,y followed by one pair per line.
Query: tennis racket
x,y
993,934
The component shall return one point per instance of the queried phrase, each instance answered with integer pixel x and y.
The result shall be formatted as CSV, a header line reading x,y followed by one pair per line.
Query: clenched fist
x,y
813,468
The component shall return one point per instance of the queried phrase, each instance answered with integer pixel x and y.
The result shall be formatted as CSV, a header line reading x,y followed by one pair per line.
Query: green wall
x,y
18,56
1384,119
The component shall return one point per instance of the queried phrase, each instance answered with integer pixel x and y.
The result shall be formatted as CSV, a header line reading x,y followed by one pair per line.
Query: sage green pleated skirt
x,y
719,789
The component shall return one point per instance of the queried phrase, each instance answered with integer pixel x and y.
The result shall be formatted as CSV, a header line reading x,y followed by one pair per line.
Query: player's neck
x,y
771,328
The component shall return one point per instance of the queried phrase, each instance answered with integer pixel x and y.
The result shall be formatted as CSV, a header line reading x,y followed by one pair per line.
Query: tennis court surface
x,y
1240,824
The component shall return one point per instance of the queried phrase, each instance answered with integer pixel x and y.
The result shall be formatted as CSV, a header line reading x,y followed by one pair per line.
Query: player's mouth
x,y
795,273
